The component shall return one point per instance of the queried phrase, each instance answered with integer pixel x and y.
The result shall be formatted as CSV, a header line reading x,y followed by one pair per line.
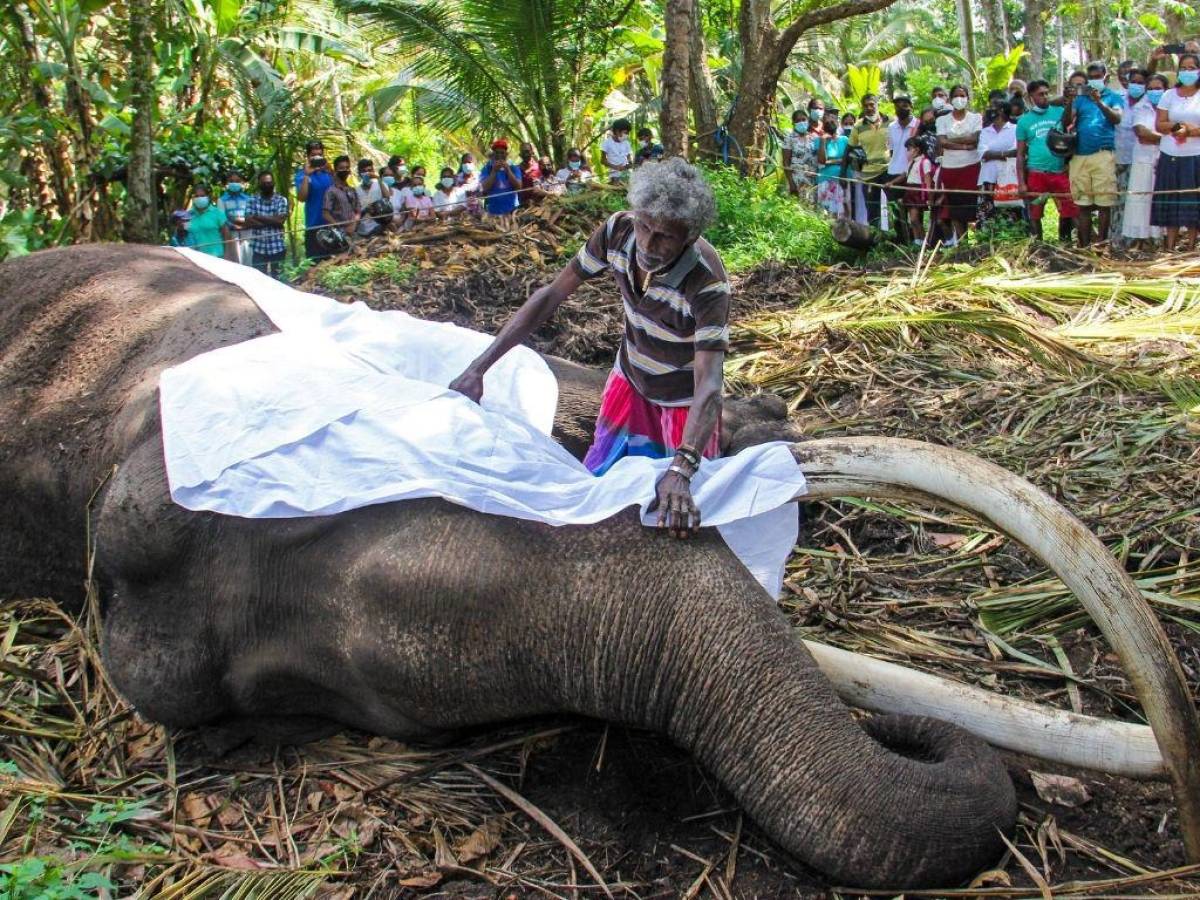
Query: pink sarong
x,y
630,425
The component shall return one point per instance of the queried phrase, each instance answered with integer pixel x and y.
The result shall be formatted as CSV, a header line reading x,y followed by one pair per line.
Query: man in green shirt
x,y
872,135
1040,173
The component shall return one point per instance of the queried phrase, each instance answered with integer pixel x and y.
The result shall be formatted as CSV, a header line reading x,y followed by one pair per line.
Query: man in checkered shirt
x,y
266,213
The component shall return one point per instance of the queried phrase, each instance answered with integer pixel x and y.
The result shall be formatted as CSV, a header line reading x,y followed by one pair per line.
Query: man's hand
x,y
469,385
676,510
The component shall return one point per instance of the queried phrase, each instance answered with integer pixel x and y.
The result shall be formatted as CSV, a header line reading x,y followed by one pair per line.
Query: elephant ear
x,y
758,420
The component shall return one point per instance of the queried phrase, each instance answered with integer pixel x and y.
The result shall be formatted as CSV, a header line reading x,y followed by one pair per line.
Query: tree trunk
x,y
58,154
1035,40
993,17
765,51
141,208
674,122
703,94
966,31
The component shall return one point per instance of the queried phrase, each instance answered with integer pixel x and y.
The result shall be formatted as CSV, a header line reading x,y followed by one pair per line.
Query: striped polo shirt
x,y
682,310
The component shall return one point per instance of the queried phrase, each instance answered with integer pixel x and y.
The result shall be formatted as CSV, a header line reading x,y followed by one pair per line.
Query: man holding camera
x,y
313,179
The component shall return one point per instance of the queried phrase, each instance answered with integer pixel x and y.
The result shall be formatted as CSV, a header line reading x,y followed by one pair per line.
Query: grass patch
x,y
364,271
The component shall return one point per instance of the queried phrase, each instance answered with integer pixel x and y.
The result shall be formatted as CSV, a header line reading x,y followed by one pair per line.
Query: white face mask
x,y
959,103
939,102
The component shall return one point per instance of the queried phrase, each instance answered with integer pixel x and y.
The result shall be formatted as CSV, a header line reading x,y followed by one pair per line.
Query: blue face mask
x,y
389,180
1187,77
365,179
574,163
1155,94
201,204
234,187
815,115
1136,91
418,190
1096,84
468,168
800,127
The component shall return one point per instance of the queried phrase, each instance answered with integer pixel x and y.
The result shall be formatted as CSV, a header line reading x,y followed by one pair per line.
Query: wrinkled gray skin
x,y
418,618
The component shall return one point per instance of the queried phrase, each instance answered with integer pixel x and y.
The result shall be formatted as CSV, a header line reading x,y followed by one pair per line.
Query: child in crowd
x,y
918,197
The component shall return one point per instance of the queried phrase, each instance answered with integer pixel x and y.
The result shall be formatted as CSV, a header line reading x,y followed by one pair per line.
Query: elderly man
x,y
663,397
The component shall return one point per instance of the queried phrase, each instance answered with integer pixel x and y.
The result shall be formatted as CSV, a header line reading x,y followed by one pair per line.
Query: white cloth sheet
x,y
346,407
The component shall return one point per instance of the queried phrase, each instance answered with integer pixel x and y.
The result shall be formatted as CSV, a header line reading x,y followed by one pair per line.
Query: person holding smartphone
x,y
1094,112
313,179
1177,180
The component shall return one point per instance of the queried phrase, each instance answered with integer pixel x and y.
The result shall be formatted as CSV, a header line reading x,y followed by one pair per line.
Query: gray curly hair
x,y
674,190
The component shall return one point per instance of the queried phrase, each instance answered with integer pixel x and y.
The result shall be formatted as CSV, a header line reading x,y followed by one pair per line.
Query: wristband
x,y
680,471
691,454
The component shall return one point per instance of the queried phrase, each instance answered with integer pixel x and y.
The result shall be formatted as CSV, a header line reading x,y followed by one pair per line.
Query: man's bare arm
x,y
533,313
677,511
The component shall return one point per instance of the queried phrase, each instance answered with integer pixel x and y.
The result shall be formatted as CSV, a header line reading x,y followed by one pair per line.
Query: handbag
x,y
1006,194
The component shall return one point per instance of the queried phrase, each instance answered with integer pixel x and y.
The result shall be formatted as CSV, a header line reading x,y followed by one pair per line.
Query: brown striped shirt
x,y
682,310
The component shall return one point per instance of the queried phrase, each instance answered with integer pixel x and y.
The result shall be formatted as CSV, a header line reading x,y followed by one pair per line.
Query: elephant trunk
x,y
898,802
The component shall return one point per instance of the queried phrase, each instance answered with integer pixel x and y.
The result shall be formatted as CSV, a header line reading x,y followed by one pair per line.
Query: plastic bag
x,y
1006,193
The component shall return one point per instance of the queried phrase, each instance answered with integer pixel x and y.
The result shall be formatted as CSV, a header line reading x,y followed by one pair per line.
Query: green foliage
x,y
862,80
47,878
23,230
998,71
418,143
921,82
755,223
337,277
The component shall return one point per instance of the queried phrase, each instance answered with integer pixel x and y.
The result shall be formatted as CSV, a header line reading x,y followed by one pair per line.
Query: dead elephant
x,y
418,618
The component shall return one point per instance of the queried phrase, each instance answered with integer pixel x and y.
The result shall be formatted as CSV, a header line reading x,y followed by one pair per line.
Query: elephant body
x,y
415,619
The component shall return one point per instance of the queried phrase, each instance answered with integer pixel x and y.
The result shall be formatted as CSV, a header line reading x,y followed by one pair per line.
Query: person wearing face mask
x,y
800,150
576,173
1177,182
920,181
233,202
399,168
939,101
872,135
617,151
341,200
1146,91
997,145
848,121
313,179
468,176
449,200
208,228
647,149
1042,174
958,139
1132,90
1094,114
374,199
832,186
267,213
663,396
418,204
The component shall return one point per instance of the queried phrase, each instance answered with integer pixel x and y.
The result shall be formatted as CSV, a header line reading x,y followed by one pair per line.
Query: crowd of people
x,y
1118,155
344,201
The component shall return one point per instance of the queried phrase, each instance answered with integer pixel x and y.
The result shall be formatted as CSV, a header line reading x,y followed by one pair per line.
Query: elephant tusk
x,y
1086,742
895,468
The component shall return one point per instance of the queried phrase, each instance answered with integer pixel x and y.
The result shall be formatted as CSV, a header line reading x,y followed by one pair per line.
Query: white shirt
x,y
949,126
1001,141
617,153
1144,113
1125,139
1180,109
454,201
564,174
366,197
897,135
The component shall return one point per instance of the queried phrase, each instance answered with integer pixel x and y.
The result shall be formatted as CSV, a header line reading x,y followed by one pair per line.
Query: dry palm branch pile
x,y
1076,373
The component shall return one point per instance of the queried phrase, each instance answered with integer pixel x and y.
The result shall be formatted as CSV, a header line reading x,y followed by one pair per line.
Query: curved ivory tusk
x,y
1102,745
890,467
